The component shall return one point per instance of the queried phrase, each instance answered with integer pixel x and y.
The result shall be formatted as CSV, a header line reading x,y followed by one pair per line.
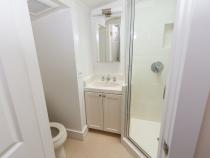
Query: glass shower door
x,y
153,28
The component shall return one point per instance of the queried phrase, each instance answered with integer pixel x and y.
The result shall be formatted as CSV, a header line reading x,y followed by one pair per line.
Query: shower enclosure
x,y
151,26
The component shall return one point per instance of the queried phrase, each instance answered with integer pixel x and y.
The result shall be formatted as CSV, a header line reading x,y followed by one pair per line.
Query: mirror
x,y
108,39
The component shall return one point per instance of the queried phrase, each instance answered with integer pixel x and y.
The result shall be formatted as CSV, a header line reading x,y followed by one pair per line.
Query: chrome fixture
x,y
157,67
102,78
114,79
108,78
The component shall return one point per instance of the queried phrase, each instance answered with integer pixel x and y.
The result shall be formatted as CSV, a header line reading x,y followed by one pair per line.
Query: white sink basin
x,y
105,84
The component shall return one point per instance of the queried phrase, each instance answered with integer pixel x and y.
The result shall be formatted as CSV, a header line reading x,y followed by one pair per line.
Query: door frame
x,y
29,55
185,12
190,74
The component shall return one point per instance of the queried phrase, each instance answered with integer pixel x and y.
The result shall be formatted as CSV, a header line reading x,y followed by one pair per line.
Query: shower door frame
x,y
131,19
184,13
131,4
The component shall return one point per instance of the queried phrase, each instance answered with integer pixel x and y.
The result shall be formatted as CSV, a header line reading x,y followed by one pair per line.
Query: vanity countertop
x,y
114,87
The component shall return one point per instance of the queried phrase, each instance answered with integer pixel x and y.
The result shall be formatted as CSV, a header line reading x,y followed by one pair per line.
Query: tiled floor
x,y
97,145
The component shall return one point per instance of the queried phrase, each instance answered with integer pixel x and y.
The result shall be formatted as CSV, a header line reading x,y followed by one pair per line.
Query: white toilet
x,y
59,136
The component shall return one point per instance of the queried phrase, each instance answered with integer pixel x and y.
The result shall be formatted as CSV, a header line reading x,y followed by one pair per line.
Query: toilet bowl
x,y
59,136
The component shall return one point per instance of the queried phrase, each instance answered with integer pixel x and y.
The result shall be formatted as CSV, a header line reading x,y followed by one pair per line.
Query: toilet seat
x,y
60,138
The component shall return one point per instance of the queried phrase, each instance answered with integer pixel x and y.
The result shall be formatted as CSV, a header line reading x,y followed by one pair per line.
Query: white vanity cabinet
x,y
94,110
103,111
112,112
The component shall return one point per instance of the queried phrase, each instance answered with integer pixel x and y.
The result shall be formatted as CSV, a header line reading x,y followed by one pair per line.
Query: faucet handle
x,y
102,78
114,79
108,78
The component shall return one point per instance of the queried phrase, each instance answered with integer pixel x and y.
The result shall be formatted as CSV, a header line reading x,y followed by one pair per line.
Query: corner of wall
x,y
83,49
80,135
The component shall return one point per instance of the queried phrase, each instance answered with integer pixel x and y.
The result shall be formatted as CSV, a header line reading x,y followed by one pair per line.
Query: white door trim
x,y
181,31
25,35
190,75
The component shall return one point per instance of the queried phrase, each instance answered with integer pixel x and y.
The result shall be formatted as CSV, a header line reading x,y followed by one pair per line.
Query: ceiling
x,y
95,3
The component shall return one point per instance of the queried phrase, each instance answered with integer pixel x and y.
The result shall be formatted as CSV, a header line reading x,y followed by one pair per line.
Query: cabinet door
x,y
94,110
112,112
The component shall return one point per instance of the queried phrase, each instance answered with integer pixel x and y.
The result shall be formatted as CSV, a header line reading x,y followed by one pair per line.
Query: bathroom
x,y
87,52
106,79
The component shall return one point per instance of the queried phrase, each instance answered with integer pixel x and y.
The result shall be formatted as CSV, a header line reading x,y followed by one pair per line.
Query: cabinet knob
x,y
99,95
104,96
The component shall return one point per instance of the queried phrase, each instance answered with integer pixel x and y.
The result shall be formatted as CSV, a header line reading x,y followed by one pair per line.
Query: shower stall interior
x,y
151,24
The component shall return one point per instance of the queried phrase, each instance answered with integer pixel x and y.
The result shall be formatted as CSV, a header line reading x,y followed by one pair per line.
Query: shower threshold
x,y
146,135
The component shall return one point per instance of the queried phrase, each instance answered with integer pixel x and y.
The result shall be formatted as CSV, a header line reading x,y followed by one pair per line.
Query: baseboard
x,y
132,148
80,135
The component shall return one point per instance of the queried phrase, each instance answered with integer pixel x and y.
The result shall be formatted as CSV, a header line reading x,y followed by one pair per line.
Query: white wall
x,y
55,47
83,49
151,18
105,68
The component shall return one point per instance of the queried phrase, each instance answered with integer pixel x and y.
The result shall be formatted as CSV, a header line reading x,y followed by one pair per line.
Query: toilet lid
x,y
58,131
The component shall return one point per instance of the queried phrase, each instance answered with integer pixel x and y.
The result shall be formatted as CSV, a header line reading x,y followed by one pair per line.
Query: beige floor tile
x,y
97,145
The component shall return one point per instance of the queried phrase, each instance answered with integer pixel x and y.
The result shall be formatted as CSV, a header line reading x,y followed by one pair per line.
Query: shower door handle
x,y
165,148
164,92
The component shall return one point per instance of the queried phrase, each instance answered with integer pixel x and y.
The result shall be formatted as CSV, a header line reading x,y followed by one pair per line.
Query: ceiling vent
x,y
38,7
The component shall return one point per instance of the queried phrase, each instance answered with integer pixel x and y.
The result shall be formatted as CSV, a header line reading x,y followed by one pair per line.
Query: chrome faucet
x,y
108,78
114,79
102,78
